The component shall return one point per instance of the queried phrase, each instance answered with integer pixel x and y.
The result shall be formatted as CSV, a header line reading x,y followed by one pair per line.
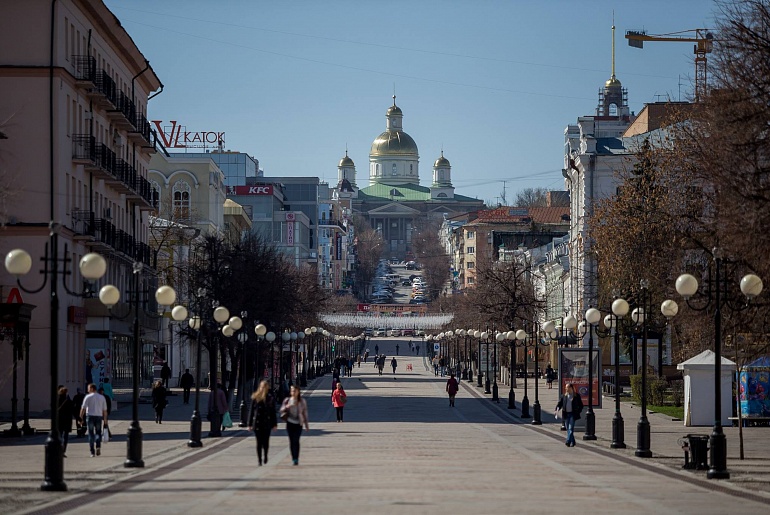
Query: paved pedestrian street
x,y
401,447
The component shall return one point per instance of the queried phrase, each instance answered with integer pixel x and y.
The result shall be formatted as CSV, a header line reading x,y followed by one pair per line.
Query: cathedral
x,y
395,202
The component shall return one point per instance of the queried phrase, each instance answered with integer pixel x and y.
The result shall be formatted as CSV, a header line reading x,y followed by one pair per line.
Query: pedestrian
x,y
65,413
159,401
377,349
394,364
570,405
435,366
397,350
418,350
108,392
451,389
94,412
77,403
359,361
381,363
107,400
350,367
294,411
411,346
262,418
549,376
335,381
366,355
339,398
186,382
165,373
220,405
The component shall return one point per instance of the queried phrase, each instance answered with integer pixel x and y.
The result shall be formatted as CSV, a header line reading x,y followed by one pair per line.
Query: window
x,y
181,196
470,250
470,235
470,265
155,194
441,175
394,169
471,280
411,169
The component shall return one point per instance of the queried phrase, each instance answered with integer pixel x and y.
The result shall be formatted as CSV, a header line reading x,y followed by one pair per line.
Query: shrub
x,y
636,387
677,392
656,391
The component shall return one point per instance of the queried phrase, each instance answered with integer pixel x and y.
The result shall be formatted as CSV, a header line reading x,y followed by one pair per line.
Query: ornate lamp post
x,y
109,295
499,338
300,339
92,267
548,329
221,316
270,338
717,292
593,316
510,336
522,336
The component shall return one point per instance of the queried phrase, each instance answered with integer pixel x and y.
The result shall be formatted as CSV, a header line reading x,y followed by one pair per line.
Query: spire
x,y
613,44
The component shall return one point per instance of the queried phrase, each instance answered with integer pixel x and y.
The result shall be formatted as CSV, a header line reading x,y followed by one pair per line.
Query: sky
x,y
492,83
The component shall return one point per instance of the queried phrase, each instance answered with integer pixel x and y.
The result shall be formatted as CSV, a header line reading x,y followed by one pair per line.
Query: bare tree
x,y
531,197
431,255
369,250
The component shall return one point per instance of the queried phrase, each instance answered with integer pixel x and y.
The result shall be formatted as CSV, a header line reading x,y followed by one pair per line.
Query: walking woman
x,y
159,401
294,411
339,398
262,418
570,405
65,413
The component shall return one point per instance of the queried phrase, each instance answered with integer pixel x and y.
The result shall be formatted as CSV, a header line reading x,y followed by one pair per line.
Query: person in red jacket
x,y
339,398
451,389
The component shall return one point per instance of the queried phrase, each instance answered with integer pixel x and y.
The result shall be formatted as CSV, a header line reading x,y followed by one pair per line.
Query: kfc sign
x,y
176,136
266,189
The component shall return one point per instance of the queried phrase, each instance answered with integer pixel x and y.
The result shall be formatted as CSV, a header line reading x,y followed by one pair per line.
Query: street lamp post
x,y
499,337
536,409
301,338
511,337
593,316
243,411
522,336
687,286
109,295
620,309
221,315
195,421
270,338
92,267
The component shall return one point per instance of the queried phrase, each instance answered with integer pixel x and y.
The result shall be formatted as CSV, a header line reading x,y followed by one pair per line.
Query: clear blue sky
x,y
494,83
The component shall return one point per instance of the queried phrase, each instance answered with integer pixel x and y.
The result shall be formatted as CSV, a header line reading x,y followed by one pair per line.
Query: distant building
x,y
394,200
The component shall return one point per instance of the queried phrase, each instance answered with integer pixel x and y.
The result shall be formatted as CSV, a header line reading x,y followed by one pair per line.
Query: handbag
x,y
105,434
284,411
226,420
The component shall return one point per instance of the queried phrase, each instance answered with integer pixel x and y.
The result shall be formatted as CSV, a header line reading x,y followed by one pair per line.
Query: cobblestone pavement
x,y
401,447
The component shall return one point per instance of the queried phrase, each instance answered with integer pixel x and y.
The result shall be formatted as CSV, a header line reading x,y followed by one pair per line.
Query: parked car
x,y
411,265
408,332
368,331
406,282
380,331
394,332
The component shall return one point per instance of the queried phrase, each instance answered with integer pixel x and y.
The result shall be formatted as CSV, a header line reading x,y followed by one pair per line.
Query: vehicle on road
x,y
380,331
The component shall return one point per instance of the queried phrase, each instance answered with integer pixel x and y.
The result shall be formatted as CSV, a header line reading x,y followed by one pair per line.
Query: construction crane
x,y
703,40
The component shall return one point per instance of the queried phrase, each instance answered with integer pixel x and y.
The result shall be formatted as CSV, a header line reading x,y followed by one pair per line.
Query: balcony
x,y
335,224
95,157
124,114
85,70
105,92
142,133
125,176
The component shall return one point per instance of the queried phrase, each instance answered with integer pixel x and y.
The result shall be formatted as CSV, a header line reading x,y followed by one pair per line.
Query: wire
x,y
380,45
367,70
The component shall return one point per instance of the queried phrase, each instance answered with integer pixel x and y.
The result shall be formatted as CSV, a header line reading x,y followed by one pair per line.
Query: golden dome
x,y
346,161
442,162
393,143
612,83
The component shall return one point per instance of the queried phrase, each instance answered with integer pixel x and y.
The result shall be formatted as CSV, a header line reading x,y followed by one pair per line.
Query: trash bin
x,y
696,452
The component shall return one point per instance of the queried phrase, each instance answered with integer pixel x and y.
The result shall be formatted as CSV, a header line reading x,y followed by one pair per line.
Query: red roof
x,y
539,215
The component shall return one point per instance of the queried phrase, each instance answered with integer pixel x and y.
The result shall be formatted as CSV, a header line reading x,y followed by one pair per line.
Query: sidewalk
x,y
665,433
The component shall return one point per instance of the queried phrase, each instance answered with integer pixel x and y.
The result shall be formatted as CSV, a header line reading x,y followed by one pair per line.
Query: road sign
x,y
436,347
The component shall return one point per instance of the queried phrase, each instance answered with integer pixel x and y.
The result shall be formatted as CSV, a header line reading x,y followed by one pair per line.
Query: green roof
x,y
405,192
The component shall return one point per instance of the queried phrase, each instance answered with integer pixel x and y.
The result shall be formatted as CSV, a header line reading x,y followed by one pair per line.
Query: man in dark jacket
x,y
186,382
77,403
165,374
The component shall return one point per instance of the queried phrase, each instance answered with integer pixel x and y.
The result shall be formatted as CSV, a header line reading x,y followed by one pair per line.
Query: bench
x,y
750,421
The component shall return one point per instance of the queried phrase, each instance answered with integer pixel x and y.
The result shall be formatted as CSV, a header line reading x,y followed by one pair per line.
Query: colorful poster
x,y
754,392
98,366
573,368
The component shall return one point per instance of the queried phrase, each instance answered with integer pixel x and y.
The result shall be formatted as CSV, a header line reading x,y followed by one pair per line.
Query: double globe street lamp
x,y
717,294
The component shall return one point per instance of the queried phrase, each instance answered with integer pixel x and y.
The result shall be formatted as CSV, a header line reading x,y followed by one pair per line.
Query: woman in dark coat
x,y
262,419
65,413
159,401
570,405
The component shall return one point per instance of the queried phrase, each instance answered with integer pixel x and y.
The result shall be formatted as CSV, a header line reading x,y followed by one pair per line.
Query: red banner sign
x,y
262,189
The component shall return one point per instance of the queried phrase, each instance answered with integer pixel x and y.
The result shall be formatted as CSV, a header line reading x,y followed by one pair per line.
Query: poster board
x,y
573,368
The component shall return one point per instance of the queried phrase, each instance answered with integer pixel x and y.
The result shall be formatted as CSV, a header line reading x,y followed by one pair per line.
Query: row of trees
x,y
704,184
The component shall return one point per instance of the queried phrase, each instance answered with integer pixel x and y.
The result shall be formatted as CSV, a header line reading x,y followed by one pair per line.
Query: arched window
x,y
394,169
155,194
441,175
441,195
377,169
411,169
181,196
